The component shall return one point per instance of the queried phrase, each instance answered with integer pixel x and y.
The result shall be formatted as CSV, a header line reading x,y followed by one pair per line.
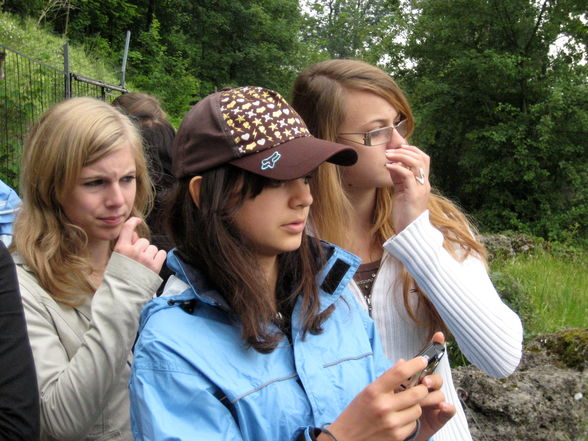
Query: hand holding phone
x,y
433,353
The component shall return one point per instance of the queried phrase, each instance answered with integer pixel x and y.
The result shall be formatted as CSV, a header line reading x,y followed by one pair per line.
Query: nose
x,y
396,140
115,196
300,193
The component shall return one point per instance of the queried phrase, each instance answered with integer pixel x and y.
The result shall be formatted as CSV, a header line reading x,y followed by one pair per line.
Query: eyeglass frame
x,y
400,127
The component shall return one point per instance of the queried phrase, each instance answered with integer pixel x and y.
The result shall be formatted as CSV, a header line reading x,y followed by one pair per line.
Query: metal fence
x,y
28,88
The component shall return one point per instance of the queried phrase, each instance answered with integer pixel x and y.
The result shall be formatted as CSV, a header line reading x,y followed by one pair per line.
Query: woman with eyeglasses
x,y
422,268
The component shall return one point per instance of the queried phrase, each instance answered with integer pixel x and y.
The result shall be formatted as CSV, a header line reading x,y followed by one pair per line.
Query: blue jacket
x,y
194,379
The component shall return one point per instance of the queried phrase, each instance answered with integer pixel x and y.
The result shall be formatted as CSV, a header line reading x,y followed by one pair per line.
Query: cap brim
x,y
296,158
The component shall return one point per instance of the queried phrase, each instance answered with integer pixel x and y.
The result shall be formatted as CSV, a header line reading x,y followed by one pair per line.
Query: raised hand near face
x,y
409,170
129,244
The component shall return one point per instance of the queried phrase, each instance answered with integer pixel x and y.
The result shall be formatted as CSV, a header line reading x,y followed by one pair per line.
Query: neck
x,y
269,267
362,240
98,255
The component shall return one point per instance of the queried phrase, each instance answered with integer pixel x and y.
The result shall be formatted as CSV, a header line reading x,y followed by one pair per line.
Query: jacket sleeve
x,y
74,391
177,405
19,399
487,331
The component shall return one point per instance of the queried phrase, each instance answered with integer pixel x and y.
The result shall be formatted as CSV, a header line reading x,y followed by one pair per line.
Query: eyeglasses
x,y
380,136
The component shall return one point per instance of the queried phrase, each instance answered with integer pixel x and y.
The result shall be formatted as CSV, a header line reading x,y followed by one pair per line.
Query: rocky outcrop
x,y
545,400
508,245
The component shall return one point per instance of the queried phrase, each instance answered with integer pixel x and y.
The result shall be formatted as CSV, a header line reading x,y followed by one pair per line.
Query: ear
x,y
194,188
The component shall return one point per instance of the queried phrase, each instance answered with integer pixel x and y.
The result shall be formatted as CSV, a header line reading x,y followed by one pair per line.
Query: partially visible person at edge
x,y
256,336
9,205
19,398
422,268
158,136
84,272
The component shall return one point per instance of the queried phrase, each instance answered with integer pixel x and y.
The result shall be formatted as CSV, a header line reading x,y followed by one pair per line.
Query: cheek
x,y
131,193
368,163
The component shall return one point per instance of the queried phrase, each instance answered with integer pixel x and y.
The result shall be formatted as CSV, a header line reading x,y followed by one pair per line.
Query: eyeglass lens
x,y
384,135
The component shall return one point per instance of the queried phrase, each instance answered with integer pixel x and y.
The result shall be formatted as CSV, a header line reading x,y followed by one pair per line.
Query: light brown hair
x,y
69,136
318,96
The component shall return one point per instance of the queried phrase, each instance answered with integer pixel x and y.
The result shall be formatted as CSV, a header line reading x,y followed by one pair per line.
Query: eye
x,y
94,183
308,178
379,134
274,183
129,178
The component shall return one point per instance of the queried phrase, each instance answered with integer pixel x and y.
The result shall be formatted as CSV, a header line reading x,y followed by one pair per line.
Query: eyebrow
x,y
106,176
383,121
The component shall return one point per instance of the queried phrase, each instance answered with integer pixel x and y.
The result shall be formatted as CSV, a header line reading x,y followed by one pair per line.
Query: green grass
x,y
25,36
552,288
547,288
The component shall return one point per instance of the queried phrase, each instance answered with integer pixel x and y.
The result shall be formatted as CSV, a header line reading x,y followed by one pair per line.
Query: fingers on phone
x,y
393,378
433,399
438,337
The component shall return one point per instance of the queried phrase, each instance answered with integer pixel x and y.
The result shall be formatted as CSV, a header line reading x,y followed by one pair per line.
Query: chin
x,y
293,247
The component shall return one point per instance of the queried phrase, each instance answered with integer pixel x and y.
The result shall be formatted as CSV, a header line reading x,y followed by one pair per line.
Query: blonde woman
x,y
423,270
83,271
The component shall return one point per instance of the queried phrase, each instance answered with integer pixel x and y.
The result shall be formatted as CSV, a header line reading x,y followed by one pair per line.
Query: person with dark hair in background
x,y
158,136
19,398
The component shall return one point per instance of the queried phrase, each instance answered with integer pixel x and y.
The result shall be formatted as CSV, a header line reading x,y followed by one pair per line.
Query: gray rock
x,y
545,400
508,245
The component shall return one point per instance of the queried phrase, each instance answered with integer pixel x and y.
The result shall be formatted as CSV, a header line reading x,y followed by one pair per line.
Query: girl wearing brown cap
x,y
423,270
256,336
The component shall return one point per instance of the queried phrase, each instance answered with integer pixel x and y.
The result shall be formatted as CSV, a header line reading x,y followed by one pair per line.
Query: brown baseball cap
x,y
254,129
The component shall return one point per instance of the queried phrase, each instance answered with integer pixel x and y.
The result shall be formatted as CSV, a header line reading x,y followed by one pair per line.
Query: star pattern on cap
x,y
259,119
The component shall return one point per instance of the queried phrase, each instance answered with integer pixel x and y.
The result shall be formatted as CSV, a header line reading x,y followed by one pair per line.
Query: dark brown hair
x,y
207,238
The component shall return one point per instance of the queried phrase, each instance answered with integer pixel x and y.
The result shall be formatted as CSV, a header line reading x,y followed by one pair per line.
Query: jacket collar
x,y
333,278
196,281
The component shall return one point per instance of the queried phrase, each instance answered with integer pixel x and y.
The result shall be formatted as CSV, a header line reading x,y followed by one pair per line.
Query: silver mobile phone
x,y
433,352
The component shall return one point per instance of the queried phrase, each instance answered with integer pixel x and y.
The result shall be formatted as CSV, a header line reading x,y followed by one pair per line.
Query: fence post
x,y
66,70
124,61
2,58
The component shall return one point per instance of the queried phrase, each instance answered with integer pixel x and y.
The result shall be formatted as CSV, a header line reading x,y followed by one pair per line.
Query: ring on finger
x,y
421,177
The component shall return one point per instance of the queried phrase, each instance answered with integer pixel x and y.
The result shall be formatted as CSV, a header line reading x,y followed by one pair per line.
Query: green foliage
x,y
25,36
30,88
183,50
168,78
249,42
349,29
503,121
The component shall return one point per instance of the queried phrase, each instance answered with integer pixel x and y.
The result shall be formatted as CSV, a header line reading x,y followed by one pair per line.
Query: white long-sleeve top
x,y
487,331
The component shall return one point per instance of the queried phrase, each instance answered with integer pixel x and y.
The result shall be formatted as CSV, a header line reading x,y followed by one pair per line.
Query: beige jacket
x,y
83,354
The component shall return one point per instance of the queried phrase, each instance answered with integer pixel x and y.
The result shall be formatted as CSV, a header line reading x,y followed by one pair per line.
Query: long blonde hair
x,y
318,96
69,136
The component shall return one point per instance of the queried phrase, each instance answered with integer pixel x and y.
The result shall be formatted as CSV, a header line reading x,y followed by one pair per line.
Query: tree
x,y
503,117
350,28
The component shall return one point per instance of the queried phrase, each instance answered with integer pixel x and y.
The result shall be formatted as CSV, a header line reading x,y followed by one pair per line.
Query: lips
x,y
296,226
112,220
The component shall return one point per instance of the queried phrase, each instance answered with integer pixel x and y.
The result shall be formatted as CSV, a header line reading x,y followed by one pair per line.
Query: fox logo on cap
x,y
270,161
